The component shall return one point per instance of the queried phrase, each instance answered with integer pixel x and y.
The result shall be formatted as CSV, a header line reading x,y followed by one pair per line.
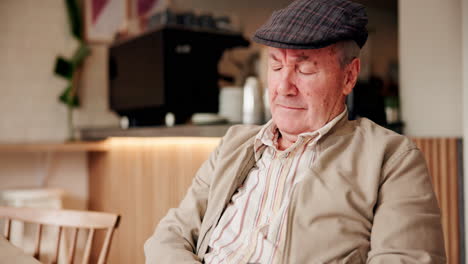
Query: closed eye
x,y
307,70
276,67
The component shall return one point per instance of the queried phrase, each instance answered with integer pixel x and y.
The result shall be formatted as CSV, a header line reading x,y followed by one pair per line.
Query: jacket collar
x,y
268,135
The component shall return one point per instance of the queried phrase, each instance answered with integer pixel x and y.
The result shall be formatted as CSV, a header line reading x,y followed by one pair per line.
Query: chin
x,y
290,126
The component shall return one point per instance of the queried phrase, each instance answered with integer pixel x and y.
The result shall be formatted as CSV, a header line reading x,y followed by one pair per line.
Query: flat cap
x,y
314,24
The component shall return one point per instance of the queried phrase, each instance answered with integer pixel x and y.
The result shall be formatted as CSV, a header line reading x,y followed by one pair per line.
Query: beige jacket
x,y
368,199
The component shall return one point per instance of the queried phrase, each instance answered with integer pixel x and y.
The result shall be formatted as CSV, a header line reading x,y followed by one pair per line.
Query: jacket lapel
x,y
231,177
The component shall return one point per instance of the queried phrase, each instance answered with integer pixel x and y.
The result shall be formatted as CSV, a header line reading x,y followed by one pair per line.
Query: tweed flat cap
x,y
314,24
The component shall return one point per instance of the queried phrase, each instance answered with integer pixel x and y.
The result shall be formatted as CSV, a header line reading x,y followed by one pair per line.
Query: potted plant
x,y
70,69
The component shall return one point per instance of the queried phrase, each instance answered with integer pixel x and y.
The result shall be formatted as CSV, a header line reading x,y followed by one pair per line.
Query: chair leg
x,y
57,249
37,244
89,243
73,246
7,228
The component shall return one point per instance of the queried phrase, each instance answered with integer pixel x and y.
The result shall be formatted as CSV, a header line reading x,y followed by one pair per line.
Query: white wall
x,y
430,63
32,34
66,171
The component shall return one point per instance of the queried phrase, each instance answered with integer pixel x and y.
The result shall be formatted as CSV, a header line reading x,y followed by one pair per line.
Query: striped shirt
x,y
253,227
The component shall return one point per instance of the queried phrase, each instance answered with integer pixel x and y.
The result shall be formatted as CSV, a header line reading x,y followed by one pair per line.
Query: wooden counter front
x,y
141,178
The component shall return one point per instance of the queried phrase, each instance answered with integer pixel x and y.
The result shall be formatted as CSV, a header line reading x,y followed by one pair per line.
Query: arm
x,y
407,225
175,237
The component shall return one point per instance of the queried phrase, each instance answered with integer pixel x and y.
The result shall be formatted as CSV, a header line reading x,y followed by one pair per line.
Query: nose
x,y
286,87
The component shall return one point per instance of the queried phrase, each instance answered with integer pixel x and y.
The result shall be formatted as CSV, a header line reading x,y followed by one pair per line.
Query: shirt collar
x,y
268,135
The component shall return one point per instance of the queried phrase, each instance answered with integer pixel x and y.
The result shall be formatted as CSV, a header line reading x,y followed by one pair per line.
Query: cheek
x,y
272,82
271,76
313,88
318,92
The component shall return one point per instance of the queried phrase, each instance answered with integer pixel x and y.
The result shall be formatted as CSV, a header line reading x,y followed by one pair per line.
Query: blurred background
x,y
112,105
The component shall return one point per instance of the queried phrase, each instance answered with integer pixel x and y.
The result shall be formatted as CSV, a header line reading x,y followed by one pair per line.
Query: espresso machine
x,y
171,69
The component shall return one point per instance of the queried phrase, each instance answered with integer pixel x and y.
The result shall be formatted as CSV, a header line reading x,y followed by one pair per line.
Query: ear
x,y
351,75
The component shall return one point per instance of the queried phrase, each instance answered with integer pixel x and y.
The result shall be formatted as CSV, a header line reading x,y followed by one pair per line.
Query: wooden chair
x,y
64,219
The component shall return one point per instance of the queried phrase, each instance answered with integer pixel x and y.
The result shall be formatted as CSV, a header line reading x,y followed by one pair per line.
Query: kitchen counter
x,y
92,134
77,146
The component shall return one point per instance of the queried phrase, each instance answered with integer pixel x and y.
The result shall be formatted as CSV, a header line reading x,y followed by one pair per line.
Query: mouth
x,y
291,107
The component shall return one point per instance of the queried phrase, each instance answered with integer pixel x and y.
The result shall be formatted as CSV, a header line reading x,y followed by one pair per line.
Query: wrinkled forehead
x,y
299,55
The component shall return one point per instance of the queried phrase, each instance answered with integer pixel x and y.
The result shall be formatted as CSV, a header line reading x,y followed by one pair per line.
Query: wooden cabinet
x,y
141,178
444,160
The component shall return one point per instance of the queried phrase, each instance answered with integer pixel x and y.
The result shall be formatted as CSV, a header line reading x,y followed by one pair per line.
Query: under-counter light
x,y
156,141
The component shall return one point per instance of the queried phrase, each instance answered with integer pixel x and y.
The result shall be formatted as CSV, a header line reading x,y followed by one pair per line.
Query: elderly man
x,y
309,186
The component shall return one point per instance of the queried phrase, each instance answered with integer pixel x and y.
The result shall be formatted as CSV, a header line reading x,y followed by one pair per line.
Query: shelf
x,y
98,146
176,131
93,140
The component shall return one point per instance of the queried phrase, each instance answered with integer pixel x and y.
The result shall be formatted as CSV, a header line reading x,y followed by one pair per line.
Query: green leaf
x,y
74,18
68,99
80,54
64,68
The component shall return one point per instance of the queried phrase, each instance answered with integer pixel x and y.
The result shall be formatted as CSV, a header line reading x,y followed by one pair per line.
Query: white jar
x,y
253,102
230,103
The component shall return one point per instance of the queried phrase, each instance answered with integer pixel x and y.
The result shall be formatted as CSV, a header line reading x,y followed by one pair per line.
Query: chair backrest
x,y
64,219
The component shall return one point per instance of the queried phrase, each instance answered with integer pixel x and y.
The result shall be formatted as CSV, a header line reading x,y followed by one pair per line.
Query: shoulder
x,y
241,133
373,142
375,132
239,136
243,130
389,142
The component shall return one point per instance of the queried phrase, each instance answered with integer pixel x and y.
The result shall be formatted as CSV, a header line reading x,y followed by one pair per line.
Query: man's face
x,y
306,88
